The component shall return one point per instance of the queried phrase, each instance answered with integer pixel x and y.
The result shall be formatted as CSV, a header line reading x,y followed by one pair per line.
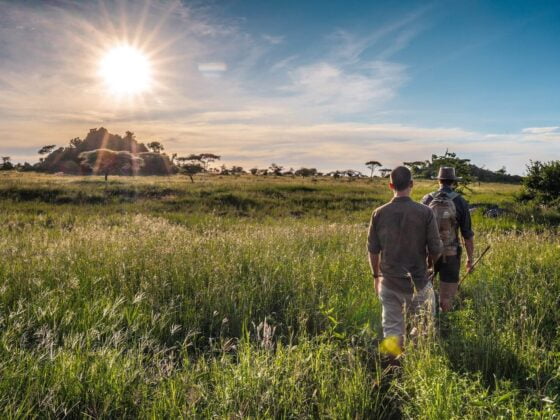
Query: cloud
x,y
545,134
540,130
212,67
343,89
274,40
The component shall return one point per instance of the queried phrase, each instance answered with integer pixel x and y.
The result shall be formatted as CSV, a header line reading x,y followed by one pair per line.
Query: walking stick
x,y
474,265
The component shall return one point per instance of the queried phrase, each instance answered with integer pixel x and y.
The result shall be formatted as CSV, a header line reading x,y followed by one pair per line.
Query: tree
x,y
203,158
45,150
155,146
190,169
254,171
276,169
288,172
429,168
304,172
75,142
417,167
6,164
385,172
372,164
207,158
542,183
109,162
190,166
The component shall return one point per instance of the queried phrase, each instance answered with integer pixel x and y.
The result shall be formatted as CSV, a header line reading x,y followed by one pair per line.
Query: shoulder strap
x,y
453,195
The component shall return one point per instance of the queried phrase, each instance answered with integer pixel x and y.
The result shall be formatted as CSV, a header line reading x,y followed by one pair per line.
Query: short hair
x,y
401,178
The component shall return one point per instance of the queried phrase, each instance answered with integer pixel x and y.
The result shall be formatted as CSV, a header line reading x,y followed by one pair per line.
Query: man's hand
x,y
469,265
376,285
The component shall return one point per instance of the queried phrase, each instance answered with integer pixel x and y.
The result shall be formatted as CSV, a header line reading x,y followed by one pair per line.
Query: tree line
x,y
103,153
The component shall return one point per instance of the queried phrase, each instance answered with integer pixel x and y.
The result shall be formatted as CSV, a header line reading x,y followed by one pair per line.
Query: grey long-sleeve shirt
x,y
404,232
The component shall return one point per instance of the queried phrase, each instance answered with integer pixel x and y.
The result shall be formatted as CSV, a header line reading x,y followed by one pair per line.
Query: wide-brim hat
x,y
447,173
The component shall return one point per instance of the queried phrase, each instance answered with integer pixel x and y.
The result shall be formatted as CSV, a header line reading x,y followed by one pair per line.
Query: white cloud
x,y
336,88
540,130
542,134
212,67
273,39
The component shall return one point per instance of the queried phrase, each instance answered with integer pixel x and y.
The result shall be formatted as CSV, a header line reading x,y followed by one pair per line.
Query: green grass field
x,y
252,298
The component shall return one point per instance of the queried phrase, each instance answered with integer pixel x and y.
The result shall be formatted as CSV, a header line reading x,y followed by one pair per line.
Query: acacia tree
x,y
207,158
385,172
45,150
190,166
155,146
372,164
109,162
203,158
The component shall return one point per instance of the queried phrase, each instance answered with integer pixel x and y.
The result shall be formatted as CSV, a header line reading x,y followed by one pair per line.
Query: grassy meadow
x,y
251,297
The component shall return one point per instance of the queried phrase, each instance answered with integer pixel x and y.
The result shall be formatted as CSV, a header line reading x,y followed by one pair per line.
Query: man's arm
x,y
374,264
467,233
374,251
469,247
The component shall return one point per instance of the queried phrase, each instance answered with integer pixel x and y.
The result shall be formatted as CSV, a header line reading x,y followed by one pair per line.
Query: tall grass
x,y
123,309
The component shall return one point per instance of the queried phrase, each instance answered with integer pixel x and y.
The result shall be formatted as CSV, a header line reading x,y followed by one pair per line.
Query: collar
x,y
400,199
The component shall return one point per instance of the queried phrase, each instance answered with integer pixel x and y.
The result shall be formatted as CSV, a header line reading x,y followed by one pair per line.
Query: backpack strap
x,y
453,195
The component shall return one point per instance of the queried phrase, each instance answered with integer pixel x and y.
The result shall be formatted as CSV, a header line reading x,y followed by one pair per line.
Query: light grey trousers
x,y
401,308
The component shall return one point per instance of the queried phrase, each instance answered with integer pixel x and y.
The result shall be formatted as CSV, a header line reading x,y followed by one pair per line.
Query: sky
x,y
325,84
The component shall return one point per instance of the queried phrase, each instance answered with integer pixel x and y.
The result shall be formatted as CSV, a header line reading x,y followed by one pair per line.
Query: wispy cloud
x,y
274,39
342,89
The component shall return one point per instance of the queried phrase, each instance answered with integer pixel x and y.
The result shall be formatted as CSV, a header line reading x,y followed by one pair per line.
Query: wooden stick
x,y
475,263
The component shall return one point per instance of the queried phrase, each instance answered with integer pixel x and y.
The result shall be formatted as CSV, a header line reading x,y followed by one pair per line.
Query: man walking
x,y
402,234
452,214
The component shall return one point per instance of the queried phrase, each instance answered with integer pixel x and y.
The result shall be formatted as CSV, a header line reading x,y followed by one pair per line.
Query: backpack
x,y
446,216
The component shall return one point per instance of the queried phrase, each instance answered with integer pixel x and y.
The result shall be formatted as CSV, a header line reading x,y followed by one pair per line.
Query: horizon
x,y
329,86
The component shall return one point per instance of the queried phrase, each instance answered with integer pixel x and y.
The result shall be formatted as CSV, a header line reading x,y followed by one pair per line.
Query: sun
x,y
126,71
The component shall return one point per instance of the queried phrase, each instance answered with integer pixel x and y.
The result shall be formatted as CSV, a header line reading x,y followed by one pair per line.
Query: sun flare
x,y
126,71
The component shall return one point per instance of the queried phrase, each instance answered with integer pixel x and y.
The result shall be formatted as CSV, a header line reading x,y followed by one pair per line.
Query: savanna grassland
x,y
251,297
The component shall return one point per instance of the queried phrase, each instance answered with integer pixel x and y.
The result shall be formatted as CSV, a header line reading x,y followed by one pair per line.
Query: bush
x,y
542,183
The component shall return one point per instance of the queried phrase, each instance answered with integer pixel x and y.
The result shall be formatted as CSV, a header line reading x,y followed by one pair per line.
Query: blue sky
x,y
323,84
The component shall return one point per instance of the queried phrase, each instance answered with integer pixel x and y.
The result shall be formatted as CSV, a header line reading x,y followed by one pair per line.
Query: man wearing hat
x,y
452,215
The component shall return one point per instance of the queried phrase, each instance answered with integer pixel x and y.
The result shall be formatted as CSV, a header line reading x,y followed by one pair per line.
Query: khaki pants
x,y
400,308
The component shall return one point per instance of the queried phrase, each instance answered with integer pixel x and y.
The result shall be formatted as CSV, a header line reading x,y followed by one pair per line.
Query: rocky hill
x,y
67,159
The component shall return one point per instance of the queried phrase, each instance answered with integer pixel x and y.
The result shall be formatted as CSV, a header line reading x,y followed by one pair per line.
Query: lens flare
x,y
390,345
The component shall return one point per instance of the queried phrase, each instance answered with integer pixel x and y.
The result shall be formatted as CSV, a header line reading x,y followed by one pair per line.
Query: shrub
x,y
542,183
